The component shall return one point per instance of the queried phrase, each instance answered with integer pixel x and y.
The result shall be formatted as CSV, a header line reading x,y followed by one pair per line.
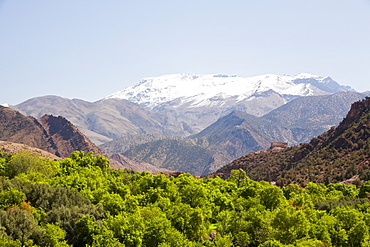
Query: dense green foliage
x,y
80,201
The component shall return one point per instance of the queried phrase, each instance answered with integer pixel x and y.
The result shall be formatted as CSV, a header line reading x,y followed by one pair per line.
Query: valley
x,y
201,131
161,182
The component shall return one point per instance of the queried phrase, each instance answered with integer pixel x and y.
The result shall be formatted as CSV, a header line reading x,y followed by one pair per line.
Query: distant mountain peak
x,y
306,75
207,90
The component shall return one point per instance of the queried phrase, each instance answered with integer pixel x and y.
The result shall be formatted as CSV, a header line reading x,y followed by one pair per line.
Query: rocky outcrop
x,y
65,137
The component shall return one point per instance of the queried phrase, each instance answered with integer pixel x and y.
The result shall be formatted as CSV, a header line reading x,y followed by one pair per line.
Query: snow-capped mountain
x,y
206,90
199,100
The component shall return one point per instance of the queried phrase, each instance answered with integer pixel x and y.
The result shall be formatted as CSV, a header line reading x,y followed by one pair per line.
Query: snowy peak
x,y
202,90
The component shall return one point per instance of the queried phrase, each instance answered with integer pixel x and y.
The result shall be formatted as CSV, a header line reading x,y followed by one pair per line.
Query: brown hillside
x,y
337,155
66,137
52,134
15,127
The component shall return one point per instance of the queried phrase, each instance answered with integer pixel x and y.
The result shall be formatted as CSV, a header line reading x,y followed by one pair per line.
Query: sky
x,y
90,49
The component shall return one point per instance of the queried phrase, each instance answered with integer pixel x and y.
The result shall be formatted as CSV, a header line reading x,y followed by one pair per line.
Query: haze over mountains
x,y
103,120
199,123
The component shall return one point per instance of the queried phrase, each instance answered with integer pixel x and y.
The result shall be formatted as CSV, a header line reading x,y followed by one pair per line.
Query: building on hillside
x,y
278,145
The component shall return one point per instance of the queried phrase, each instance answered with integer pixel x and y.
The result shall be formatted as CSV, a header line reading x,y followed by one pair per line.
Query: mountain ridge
x,y
239,133
104,120
153,91
200,100
339,154
53,134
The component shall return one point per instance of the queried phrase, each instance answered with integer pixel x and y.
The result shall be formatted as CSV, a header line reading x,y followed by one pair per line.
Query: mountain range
x,y
237,134
197,124
104,120
341,153
178,105
200,100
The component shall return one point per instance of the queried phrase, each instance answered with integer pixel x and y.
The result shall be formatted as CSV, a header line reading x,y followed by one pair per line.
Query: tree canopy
x,y
81,201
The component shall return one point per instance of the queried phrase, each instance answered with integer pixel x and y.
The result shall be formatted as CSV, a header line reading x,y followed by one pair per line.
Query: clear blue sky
x,y
89,49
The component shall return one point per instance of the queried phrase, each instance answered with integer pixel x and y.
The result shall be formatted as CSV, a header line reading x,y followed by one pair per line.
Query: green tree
x,y
364,190
54,236
89,159
27,162
350,223
21,225
317,191
158,229
223,241
5,241
11,197
128,228
239,177
273,243
271,197
290,225
309,243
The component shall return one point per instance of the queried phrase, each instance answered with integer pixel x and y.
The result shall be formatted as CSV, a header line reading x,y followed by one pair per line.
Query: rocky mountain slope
x,y
238,134
119,161
173,154
52,137
202,99
124,144
337,155
230,137
213,112
104,120
310,116
53,134
178,105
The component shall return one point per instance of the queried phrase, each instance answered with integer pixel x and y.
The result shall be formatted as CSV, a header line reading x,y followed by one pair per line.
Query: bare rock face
x,y
66,137
15,127
53,134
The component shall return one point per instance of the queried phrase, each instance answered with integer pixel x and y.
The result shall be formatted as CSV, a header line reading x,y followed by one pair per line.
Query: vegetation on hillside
x,y
311,116
339,154
237,134
229,138
81,201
